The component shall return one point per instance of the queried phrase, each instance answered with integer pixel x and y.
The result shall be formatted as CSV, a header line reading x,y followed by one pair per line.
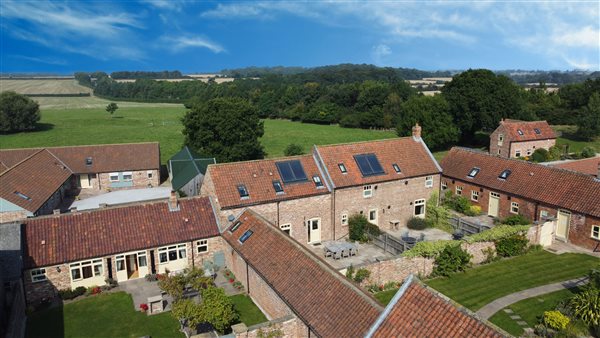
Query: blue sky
x,y
194,36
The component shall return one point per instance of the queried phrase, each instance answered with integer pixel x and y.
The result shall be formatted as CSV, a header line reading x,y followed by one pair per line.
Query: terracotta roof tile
x,y
417,311
512,128
410,154
105,157
84,235
587,166
557,187
258,177
321,297
35,179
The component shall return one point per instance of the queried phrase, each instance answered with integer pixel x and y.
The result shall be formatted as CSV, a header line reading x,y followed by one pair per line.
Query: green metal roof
x,y
185,165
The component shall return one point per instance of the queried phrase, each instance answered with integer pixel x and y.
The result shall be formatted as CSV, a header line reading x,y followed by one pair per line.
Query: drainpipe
x,y
278,213
332,215
192,249
247,279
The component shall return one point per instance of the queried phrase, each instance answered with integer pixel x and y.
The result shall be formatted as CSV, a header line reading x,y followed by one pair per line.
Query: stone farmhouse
x,y
123,243
514,138
311,197
505,187
36,181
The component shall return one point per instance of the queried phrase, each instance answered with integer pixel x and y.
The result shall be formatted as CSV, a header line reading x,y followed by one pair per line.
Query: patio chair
x,y
337,255
327,252
345,252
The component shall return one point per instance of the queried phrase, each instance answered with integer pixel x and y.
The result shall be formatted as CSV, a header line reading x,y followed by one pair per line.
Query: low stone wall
x,y
285,327
397,269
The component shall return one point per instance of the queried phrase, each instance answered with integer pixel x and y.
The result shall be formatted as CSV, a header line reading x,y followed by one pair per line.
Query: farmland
x,y
163,124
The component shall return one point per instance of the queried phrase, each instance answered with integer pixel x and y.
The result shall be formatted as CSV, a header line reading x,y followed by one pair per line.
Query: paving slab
x,y
522,323
508,311
515,317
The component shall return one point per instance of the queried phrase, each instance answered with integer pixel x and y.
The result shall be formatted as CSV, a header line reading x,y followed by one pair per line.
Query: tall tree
x,y
111,108
479,98
225,128
17,112
589,121
433,114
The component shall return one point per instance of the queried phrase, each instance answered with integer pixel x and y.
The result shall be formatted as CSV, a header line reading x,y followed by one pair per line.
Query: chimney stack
x,y
416,130
173,204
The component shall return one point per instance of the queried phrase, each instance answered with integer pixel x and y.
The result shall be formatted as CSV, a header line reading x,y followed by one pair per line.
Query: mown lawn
x,y
384,297
250,314
481,285
163,124
106,315
530,310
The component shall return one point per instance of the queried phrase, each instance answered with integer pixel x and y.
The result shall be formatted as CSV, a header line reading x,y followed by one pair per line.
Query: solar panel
x,y
291,171
368,164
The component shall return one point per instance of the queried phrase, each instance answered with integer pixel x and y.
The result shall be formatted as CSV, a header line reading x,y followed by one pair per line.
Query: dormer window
x,y
243,191
88,161
504,174
473,172
342,168
318,182
520,132
396,168
537,131
278,188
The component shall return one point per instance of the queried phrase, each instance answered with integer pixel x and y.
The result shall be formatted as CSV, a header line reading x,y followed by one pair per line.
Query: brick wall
x,y
477,250
392,200
494,147
509,147
140,180
580,231
523,147
260,292
215,244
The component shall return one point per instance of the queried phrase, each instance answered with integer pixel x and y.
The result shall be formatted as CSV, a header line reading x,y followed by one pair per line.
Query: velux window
x,y
537,131
318,182
246,235
396,168
473,172
243,191
504,174
342,168
277,186
520,132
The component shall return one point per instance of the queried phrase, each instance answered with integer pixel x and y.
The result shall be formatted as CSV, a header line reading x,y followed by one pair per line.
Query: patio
x,y
367,253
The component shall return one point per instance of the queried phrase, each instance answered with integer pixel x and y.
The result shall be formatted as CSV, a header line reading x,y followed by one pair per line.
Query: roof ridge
x,y
82,145
323,264
23,160
260,160
366,141
522,162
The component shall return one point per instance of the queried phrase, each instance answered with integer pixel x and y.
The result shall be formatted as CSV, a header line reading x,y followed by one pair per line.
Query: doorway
x,y
562,224
132,266
494,204
314,230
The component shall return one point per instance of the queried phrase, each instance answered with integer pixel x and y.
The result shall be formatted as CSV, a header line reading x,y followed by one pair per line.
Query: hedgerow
x,y
496,233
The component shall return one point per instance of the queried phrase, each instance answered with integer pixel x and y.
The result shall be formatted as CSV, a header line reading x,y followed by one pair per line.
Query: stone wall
x,y
11,216
215,244
140,180
394,201
477,250
531,146
288,327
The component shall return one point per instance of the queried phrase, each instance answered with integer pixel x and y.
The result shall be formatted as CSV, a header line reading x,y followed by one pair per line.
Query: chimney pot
x,y
416,131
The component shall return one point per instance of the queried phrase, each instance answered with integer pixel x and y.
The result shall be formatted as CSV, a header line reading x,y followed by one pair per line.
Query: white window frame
x,y
544,214
475,195
459,190
178,249
93,264
127,173
286,227
514,207
367,191
344,219
444,185
518,153
374,220
202,246
419,202
38,275
429,181
595,231
120,263
140,255
528,152
499,151
111,175
500,139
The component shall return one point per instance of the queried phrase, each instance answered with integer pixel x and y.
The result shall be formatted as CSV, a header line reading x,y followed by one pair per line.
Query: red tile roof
x,y
587,166
36,178
258,177
553,186
321,297
105,157
83,235
411,155
512,128
417,311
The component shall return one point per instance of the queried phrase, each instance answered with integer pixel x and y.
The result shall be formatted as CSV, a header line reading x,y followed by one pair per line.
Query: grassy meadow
x,y
66,127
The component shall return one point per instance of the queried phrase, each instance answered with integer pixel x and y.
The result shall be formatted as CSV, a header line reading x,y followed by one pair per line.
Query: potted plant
x,y
144,307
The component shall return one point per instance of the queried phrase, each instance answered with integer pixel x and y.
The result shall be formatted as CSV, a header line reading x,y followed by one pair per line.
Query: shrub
x,y
586,305
496,233
143,307
111,283
428,249
173,285
293,149
452,259
437,216
70,294
350,272
540,155
151,277
416,223
516,220
556,320
458,203
361,275
359,227
17,112
218,309
554,153
588,152
475,210
511,246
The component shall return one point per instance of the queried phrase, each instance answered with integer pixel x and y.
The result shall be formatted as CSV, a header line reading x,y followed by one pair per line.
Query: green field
x,y
530,309
568,135
105,315
162,124
481,285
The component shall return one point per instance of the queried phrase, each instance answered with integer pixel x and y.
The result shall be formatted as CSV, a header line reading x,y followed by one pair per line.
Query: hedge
x,y
429,249
496,233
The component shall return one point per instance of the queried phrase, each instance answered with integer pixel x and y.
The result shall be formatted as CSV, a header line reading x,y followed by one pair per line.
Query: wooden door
x,y
494,204
562,224
314,230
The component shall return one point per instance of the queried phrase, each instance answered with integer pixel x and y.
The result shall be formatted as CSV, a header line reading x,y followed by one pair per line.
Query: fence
x,y
466,227
390,244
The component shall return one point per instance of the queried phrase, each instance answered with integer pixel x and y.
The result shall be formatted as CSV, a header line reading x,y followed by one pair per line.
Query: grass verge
x,y
250,314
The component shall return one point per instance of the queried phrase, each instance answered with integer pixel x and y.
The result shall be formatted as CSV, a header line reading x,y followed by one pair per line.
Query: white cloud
x,y
180,43
587,37
49,61
173,5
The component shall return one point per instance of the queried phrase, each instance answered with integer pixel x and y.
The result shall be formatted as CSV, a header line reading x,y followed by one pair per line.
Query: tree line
x,y
373,97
